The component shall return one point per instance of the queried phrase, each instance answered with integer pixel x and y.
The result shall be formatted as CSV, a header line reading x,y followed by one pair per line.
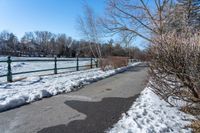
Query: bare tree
x,y
126,38
140,18
43,38
173,68
9,42
61,42
89,27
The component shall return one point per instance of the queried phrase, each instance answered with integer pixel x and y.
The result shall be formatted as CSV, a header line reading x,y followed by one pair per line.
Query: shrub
x,y
175,66
113,62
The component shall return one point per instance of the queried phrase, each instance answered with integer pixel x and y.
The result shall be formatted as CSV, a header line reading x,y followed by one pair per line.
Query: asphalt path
x,y
92,109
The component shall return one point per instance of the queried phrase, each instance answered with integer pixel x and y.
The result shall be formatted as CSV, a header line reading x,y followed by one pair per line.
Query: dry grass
x,y
195,126
113,62
196,123
191,110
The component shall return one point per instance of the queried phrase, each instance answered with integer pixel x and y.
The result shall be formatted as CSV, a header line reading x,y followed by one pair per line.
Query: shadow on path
x,y
100,115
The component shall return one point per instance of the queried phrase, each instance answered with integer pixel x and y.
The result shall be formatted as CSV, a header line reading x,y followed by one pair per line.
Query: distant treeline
x,y
47,44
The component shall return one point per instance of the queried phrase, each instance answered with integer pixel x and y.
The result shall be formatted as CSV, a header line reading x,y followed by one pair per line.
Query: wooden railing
x,y
55,68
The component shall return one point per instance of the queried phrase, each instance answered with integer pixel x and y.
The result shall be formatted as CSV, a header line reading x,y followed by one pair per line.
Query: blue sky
x,y
57,16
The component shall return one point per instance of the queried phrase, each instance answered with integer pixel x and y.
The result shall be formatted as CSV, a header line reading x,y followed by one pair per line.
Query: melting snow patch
x,y
35,88
150,114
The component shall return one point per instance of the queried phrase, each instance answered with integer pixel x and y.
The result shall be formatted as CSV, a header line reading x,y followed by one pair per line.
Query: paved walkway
x,y
92,109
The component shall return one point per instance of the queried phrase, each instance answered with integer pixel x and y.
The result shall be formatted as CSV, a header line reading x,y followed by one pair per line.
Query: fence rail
x,y
55,68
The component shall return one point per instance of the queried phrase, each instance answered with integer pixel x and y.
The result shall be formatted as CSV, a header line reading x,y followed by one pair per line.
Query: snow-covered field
x,y
150,114
37,87
31,66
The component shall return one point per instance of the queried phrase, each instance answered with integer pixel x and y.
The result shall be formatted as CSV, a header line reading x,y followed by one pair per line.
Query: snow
x,y
150,114
37,87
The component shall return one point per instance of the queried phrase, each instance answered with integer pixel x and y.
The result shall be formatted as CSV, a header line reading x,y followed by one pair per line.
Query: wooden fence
x,y
55,68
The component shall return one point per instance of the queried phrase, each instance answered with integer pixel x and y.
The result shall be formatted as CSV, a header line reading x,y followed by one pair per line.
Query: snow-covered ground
x,y
31,66
150,114
37,87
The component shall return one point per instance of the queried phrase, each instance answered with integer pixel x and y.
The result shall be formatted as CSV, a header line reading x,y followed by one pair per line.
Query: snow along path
x,y
150,114
91,109
35,88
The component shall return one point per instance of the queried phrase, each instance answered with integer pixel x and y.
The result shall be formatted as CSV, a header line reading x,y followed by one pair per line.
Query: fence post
x,y
77,64
91,62
9,74
55,65
97,63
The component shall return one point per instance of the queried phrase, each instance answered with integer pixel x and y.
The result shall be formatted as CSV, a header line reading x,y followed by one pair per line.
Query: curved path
x,y
92,109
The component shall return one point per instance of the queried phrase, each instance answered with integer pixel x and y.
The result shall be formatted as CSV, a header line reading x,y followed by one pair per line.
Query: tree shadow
x,y
100,115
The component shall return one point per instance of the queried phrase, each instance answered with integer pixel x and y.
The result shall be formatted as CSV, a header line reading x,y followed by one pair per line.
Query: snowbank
x,y
150,114
35,88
